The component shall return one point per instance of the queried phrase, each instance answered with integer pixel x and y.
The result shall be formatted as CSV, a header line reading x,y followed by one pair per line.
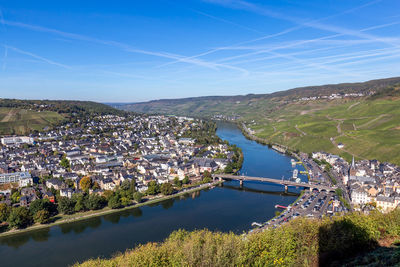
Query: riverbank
x,y
65,219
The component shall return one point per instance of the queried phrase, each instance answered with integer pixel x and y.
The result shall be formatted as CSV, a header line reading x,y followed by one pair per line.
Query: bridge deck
x,y
275,181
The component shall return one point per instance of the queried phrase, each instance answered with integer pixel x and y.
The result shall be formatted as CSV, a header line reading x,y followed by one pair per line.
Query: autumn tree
x,y
85,183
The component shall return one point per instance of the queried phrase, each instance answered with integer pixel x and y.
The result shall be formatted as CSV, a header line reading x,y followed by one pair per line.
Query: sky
x,y
132,51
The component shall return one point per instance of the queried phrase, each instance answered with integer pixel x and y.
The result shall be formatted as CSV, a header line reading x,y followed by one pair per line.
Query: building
x,y
23,178
16,140
360,196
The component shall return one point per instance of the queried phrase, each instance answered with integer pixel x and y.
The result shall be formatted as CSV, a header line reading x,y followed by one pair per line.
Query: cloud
x,y
316,24
123,46
48,61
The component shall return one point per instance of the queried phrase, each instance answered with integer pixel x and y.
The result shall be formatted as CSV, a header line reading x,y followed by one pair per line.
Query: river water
x,y
225,208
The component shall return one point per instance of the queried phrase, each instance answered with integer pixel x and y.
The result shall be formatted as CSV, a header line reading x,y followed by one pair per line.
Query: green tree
x,y
4,212
186,180
19,218
42,216
115,202
167,189
42,204
66,205
125,201
15,197
137,196
177,182
80,202
65,163
153,188
95,202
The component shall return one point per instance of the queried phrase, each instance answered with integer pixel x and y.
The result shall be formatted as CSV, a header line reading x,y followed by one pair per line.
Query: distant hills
x,y
367,125
212,105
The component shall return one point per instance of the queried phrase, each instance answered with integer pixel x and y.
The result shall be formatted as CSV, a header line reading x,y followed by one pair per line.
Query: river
x,y
225,208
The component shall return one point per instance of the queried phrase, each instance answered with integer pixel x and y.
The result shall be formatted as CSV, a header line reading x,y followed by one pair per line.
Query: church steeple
x,y
352,170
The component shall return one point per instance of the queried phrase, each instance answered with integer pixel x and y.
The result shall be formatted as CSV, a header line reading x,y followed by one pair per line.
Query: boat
x,y
295,173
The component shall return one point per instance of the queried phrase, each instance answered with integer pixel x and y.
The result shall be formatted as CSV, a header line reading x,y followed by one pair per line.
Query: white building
x,y
23,178
360,196
16,140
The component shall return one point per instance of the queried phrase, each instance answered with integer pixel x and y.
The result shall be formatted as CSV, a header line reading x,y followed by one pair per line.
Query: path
x,y
355,104
297,128
9,115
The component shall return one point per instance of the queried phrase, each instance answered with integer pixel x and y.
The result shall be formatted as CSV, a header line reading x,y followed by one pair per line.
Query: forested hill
x,y
227,105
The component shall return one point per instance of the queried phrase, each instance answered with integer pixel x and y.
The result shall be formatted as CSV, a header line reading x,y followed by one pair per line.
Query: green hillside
x,y
349,240
368,126
22,121
26,116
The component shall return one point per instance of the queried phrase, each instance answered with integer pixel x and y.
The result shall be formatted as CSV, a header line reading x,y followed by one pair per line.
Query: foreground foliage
x,y
301,242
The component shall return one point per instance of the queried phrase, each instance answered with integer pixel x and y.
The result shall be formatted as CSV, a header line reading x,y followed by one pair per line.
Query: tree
x,y
64,163
177,182
85,183
207,174
228,168
80,202
95,202
137,196
4,212
167,189
41,204
66,205
125,201
19,218
114,202
108,194
207,179
15,197
42,216
153,188
186,180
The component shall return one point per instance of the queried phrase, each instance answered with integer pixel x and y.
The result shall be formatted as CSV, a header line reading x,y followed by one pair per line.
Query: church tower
x,y
352,171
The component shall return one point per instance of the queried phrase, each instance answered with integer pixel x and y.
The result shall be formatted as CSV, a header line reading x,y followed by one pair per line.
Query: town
x,y
109,161
363,186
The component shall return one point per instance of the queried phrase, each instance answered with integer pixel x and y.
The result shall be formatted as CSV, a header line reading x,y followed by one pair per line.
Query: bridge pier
x,y
241,182
286,188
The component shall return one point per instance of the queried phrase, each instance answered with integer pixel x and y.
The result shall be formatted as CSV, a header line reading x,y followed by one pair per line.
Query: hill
x,y
25,116
349,240
244,104
368,126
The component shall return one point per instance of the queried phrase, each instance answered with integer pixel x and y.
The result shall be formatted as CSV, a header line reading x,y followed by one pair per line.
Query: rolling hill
x,y
25,116
368,126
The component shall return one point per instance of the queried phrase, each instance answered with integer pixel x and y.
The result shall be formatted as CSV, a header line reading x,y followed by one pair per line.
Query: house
x,y
359,196
49,195
107,184
55,183
387,204
66,192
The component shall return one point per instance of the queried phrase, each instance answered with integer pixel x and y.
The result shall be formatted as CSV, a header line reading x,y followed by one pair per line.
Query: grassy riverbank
x,y
302,242
63,219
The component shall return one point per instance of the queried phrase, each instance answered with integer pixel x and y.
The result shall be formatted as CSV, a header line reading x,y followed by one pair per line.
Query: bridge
x,y
285,183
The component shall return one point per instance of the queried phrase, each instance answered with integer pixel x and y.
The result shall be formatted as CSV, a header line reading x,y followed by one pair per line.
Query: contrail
x,y
123,46
51,62
298,26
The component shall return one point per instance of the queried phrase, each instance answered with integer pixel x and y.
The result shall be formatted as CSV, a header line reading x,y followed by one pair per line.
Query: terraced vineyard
x,y
22,121
367,128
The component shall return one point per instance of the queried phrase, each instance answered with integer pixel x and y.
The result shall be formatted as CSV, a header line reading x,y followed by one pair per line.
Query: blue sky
x,y
129,51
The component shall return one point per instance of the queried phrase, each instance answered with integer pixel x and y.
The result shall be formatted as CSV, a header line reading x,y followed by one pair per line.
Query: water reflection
x,y
18,240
